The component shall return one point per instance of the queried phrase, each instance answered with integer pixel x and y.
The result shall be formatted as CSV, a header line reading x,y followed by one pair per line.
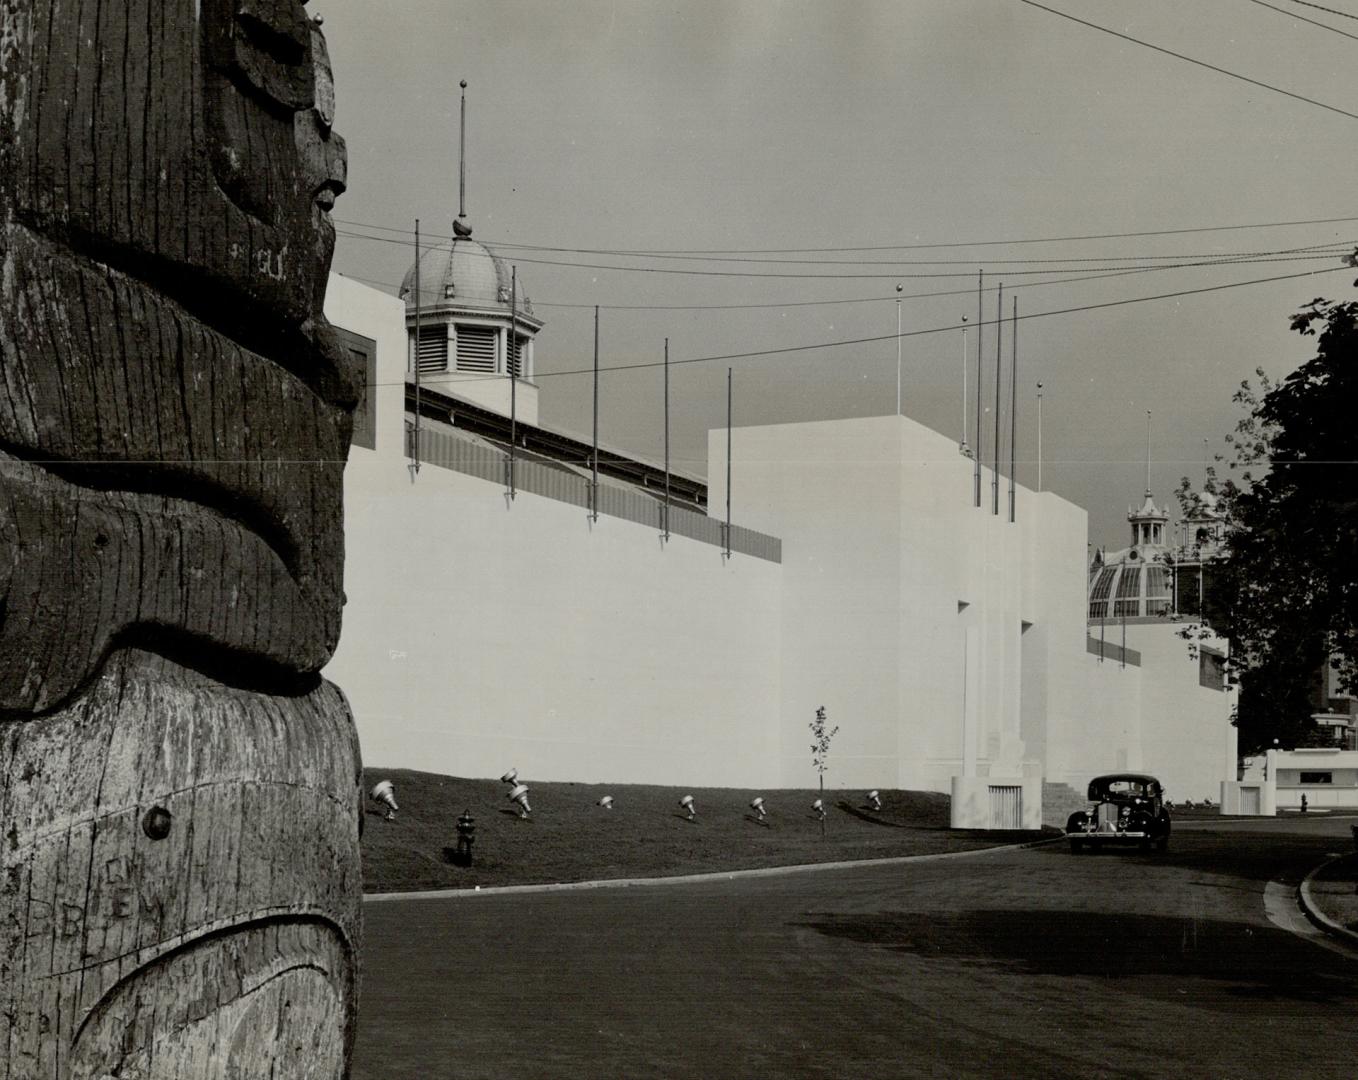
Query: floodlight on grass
x,y
606,802
874,800
757,805
819,807
384,794
687,803
510,777
519,794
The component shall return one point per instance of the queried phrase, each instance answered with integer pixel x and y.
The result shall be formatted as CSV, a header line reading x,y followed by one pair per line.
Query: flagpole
x,y
513,380
980,324
1039,436
898,351
415,450
728,463
964,448
1013,406
999,365
667,439
594,455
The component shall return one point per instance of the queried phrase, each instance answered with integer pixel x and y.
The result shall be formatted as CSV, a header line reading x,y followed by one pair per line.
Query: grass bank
x,y
569,837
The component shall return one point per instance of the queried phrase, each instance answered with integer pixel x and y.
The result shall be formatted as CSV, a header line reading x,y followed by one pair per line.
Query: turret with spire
x,y
476,321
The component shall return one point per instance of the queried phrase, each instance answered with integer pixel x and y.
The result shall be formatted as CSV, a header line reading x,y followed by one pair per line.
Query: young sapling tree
x,y
820,751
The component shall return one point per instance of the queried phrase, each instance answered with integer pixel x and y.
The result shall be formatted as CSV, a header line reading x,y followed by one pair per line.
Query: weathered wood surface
x,y
179,790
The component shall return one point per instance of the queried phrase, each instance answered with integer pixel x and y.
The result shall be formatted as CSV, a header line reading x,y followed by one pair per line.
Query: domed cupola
x,y
470,322
1134,582
463,273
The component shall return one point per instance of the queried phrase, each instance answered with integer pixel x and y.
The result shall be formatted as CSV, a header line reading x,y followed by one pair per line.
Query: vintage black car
x,y
1128,808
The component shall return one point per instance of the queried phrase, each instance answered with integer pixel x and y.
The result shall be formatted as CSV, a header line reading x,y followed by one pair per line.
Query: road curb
x,y
688,879
1312,910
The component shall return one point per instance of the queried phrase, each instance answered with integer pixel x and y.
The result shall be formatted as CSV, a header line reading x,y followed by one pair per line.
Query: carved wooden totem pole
x,y
179,789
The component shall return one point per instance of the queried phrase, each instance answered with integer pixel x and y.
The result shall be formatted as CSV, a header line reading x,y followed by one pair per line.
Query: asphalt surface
x,y
1029,963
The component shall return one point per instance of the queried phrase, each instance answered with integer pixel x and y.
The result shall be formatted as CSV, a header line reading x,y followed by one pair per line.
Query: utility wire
x,y
1189,59
1303,18
790,303
879,247
1342,14
909,333
1327,245
1101,276
1212,261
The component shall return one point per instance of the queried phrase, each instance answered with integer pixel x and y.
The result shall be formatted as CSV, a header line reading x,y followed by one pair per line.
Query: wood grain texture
x,y
179,790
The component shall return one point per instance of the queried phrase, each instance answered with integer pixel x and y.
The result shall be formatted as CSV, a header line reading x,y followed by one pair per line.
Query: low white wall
x,y
1248,797
974,803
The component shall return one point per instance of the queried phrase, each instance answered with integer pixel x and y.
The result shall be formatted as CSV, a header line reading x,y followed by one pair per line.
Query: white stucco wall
x,y
481,634
904,604
943,640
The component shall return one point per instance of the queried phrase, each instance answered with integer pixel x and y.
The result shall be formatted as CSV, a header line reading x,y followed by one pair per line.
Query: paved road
x,y
1031,963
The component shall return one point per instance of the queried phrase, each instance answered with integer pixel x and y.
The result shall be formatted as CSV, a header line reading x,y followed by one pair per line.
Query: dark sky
x,y
754,128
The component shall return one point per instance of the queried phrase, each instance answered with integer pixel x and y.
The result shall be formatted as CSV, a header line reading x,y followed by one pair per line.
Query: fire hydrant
x,y
466,836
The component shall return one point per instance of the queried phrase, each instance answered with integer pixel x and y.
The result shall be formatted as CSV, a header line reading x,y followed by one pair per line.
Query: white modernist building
x,y
1318,778
514,614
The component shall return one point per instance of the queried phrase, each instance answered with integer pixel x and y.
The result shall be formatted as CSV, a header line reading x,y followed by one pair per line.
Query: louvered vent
x,y
516,360
476,348
433,352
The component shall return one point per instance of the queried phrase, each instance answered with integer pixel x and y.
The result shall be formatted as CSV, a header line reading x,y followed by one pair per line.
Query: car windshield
x,y
1126,788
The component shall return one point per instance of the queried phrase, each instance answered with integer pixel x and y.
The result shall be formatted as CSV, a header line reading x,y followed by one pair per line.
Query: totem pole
x,y
179,789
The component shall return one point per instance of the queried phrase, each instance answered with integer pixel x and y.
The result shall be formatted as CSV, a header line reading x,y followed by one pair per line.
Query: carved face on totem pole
x,y
177,784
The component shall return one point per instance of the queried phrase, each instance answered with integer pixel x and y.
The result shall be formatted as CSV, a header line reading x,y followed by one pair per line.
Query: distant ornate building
x,y
1160,574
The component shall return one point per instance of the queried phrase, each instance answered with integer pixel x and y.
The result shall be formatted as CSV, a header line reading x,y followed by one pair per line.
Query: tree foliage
x,y
1289,585
820,747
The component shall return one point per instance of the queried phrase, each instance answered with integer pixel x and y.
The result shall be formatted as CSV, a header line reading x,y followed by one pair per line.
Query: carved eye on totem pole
x,y
269,96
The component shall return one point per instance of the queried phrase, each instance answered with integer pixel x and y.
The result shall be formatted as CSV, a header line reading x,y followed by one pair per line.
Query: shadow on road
x,y
1151,955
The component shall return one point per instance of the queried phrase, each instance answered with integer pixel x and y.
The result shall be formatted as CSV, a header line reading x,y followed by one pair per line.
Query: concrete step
x,y
1059,801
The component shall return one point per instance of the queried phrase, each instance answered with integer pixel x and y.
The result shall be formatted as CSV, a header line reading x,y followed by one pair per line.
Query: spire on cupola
x,y
460,226
1149,521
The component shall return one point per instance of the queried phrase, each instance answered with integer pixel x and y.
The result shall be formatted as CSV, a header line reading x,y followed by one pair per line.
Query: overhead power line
x,y
1100,276
1191,60
950,327
1328,245
878,247
913,275
1332,11
1303,18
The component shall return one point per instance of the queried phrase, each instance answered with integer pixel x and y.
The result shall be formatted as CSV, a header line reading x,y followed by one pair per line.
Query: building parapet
x,y
555,481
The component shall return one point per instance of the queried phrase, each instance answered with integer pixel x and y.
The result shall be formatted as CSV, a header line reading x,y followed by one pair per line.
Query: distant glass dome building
x,y
1156,576
1135,581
